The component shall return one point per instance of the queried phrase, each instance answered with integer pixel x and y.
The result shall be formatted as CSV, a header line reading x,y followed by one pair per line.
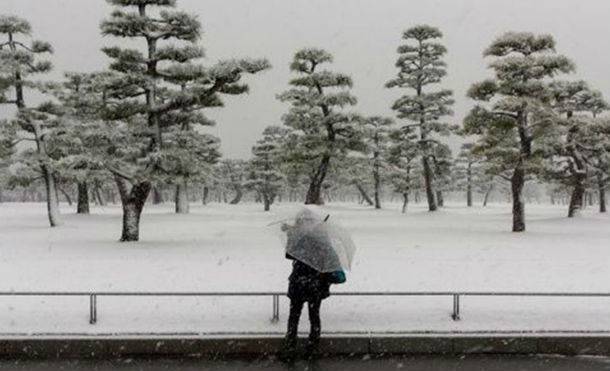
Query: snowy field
x,y
229,248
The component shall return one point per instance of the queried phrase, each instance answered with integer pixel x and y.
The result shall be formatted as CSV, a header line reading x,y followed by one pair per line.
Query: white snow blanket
x,y
229,248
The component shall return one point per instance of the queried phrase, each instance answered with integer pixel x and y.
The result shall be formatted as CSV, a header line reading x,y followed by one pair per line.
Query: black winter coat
x,y
306,283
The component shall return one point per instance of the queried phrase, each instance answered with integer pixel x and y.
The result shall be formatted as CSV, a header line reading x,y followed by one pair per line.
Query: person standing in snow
x,y
307,284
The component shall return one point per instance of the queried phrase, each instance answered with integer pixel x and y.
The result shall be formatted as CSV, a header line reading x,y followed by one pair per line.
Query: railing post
x,y
276,309
92,309
456,307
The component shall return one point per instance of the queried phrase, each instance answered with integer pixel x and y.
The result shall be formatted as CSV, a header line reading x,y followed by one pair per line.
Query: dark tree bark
x,y
268,201
602,194
405,201
133,201
469,185
65,194
517,183
182,200
365,197
205,194
51,193
314,192
487,194
577,197
82,205
238,195
376,177
440,199
578,171
432,205
99,197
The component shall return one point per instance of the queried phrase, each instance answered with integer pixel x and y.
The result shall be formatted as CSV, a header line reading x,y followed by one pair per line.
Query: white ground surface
x,y
229,248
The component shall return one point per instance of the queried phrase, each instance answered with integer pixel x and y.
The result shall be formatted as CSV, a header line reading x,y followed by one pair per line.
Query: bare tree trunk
x,y
182,197
432,205
469,185
602,194
405,202
517,183
577,197
82,205
205,194
267,200
376,181
133,201
65,194
99,197
314,192
365,197
486,198
51,192
439,198
237,198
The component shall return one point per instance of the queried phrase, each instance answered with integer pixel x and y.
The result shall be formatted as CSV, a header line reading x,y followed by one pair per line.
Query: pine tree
x,y
599,141
19,63
467,171
420,64
442,160
7,150
324,131
574,99
265,176
74,141
404,170
353,170
231,174
377,130
517,121
144,96
190,155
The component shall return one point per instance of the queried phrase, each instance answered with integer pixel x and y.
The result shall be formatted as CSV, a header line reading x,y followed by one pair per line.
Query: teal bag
x,y
338,277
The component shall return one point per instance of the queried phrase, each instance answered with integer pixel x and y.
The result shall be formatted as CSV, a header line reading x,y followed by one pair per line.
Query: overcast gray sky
x,y
362,35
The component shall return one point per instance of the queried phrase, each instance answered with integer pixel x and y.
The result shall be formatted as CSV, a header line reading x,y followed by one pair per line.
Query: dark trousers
x,y
296,306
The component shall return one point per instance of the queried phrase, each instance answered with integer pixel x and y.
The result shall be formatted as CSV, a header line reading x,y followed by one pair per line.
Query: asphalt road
x,y
420,363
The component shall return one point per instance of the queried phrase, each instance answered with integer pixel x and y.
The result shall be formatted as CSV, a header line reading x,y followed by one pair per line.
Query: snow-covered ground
x,y
230,248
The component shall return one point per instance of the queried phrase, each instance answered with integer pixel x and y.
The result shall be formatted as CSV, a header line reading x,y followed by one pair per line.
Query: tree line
x,y
132,131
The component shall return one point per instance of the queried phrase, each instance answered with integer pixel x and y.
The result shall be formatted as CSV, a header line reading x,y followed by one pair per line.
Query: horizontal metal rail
x,y
93,295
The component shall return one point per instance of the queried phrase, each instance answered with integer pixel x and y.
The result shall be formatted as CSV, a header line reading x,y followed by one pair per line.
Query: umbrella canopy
x,y
317,240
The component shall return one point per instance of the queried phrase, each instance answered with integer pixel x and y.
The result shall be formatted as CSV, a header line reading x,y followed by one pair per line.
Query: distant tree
x,y
146,99
467,171
570,165
355,170
190,154
18,62
79,106
264,175
324,131
404,171
599,140
442,160
231,175
376,136
7,150
513,128
190,157
420,64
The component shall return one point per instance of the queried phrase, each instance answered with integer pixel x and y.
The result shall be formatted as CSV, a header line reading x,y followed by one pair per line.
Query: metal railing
x,y
275,295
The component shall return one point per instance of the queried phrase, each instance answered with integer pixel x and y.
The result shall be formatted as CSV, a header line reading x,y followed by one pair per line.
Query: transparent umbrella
x,y
318,240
